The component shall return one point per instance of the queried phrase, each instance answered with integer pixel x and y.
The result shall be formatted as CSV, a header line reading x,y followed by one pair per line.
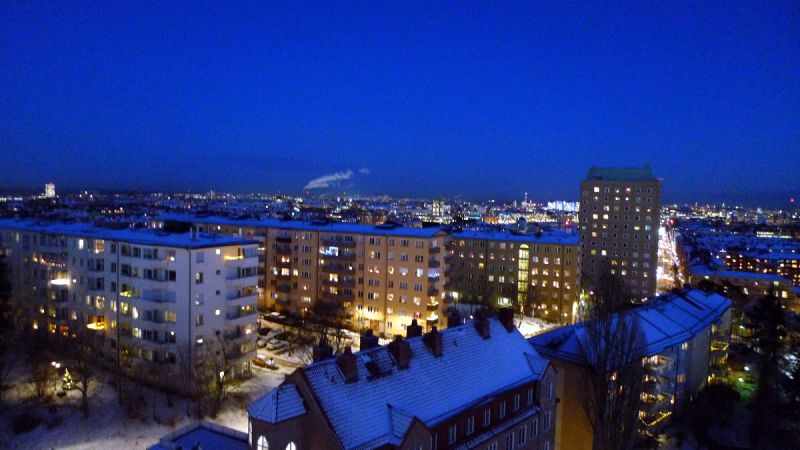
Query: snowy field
x,y
110,426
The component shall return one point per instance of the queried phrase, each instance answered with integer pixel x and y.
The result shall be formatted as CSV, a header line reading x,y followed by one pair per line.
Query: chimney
x,y
433,339
482,327
322,350
506,317
368,340
401,351
454,318
413,330
347,364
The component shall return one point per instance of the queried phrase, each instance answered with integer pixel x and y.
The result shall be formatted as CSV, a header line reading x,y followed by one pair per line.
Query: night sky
x,y
429,99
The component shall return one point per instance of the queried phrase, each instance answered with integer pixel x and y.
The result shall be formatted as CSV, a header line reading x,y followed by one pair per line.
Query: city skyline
x,y
472,101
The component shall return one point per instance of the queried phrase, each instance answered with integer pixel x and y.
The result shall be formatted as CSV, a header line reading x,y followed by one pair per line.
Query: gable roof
x,y
380,406
279,404
667,320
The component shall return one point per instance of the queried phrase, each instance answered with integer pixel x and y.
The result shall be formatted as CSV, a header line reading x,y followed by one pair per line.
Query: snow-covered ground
x,y
532,326
110,426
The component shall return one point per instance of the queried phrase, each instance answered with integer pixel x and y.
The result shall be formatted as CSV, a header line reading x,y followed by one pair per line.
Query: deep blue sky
x,y
435,99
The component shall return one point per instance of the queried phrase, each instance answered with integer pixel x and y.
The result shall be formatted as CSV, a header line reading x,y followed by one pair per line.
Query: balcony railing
x,y
434,263
339,296
339,283
239,314
337,243
340,257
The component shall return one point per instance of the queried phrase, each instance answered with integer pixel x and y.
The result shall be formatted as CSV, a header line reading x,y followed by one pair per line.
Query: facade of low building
x,y
684,335
478,385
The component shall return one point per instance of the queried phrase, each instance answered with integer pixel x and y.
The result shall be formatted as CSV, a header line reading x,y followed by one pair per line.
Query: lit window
x,y
262,443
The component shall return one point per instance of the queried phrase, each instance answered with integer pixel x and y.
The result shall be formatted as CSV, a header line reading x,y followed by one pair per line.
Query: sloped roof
x,y
210,436
668,320
378,409
142,236
279,404
299,225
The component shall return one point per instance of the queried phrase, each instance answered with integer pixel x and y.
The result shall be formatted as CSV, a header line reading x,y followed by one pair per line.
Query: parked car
x,y
263,331
276,345
260,361
261,342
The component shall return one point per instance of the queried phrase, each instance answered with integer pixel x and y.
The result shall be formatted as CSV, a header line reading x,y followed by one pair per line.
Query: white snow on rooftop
x,y
378,409
666,321
279,404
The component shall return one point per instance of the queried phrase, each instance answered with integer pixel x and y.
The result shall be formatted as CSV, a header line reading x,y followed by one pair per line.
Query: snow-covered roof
x,y
208,435
331,227
379,407
279,404
546,237
668,320
142,236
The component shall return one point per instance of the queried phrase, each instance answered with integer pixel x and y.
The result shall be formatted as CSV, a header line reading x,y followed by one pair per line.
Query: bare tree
x,y
613,373
186,371
301,341
213,374
333,319
44,376
10,329
83,359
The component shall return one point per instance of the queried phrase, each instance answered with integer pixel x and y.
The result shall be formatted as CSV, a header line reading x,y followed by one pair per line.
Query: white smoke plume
x,y
328,180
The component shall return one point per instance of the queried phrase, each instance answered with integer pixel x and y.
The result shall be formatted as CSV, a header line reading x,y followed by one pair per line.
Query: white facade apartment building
x,y
152,295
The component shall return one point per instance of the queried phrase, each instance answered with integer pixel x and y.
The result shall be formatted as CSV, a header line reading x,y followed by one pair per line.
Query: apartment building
x,y
537,272
386,274
150,296
784,263
619,222
684,339
418,392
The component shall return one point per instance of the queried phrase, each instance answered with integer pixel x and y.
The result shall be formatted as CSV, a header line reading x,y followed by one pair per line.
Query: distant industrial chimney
x,y
433,339
368,340
347,364
400,351
413,330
